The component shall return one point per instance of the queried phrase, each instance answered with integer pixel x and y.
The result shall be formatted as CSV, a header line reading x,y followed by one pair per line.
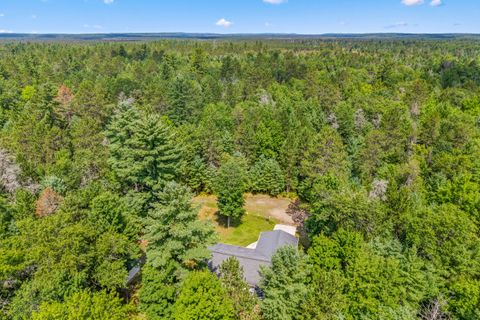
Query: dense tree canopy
x,y
103,145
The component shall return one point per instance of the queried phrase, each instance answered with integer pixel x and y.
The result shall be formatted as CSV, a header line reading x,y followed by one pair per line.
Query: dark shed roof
x,y
132,274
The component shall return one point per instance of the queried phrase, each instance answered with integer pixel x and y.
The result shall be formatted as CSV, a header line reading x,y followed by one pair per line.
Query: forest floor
x,y
262,214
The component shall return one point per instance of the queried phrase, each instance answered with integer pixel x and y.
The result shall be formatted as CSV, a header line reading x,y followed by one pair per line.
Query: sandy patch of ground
x,y
261,205
269,207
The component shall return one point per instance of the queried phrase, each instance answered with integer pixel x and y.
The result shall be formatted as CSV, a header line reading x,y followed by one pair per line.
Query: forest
x,y
103,146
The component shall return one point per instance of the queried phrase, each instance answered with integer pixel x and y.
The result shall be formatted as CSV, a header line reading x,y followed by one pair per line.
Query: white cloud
x,y
5,31
224,23
275,1
268,24
2,14
108,1
412,2
436,3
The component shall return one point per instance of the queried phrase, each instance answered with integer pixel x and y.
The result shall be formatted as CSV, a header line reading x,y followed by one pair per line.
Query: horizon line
x,y
235,33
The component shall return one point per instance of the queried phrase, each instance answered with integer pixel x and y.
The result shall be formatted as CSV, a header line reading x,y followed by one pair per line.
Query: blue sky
x,y
240,16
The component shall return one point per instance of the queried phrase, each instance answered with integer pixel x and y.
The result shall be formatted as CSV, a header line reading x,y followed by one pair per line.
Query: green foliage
x,y
465,300
5,217
108,213
174,232
463,192
284,285
379,139
184,99
232,278
350,209
446,236
230,187
215,132
325,298
61,254
83,305
158,291
24,205
325,155
369,280
202,297
55,183
143,155
266,176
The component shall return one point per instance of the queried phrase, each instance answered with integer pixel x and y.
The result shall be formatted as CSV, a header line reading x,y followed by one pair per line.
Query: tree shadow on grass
x,y
223,221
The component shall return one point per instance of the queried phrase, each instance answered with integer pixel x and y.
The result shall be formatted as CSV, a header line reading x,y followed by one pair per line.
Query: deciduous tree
x,y
230,187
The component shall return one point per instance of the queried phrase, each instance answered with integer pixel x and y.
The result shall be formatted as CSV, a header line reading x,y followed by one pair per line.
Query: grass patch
x,y
247,230
241,233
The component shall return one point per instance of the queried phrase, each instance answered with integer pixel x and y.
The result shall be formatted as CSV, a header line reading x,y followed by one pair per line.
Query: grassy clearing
x,y
246,231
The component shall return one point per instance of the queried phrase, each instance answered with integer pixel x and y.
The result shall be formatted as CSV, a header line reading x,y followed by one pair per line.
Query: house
x,y
256,255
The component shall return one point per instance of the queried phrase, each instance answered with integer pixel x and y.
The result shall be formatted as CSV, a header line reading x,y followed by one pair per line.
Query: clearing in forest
x,y
262,214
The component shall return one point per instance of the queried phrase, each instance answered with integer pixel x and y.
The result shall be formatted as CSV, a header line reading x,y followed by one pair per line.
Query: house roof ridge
x,y
256,255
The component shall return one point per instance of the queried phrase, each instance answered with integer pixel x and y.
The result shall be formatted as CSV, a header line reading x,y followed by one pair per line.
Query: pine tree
x,y
185,98
155,158
142,153
122,125
325,155
119,134
174,232
158,292
266,176
285,285
233,280
177,242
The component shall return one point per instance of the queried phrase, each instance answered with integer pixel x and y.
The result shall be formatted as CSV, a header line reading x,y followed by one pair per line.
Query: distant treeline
x,y
236,36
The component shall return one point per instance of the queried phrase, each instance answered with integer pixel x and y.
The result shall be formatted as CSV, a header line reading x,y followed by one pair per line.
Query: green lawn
x,y
240,234
247,231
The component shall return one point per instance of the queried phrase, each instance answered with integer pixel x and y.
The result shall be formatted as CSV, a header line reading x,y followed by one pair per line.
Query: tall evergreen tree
x,y
266,176
143,155
174,232
158,291
177,243
246,305
325,155
285,285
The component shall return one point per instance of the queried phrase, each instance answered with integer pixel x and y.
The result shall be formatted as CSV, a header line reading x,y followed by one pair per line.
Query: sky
x,y
240,16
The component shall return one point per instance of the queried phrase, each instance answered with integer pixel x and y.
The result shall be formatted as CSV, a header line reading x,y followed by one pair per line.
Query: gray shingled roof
x,y
252,259
269,242
240,252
